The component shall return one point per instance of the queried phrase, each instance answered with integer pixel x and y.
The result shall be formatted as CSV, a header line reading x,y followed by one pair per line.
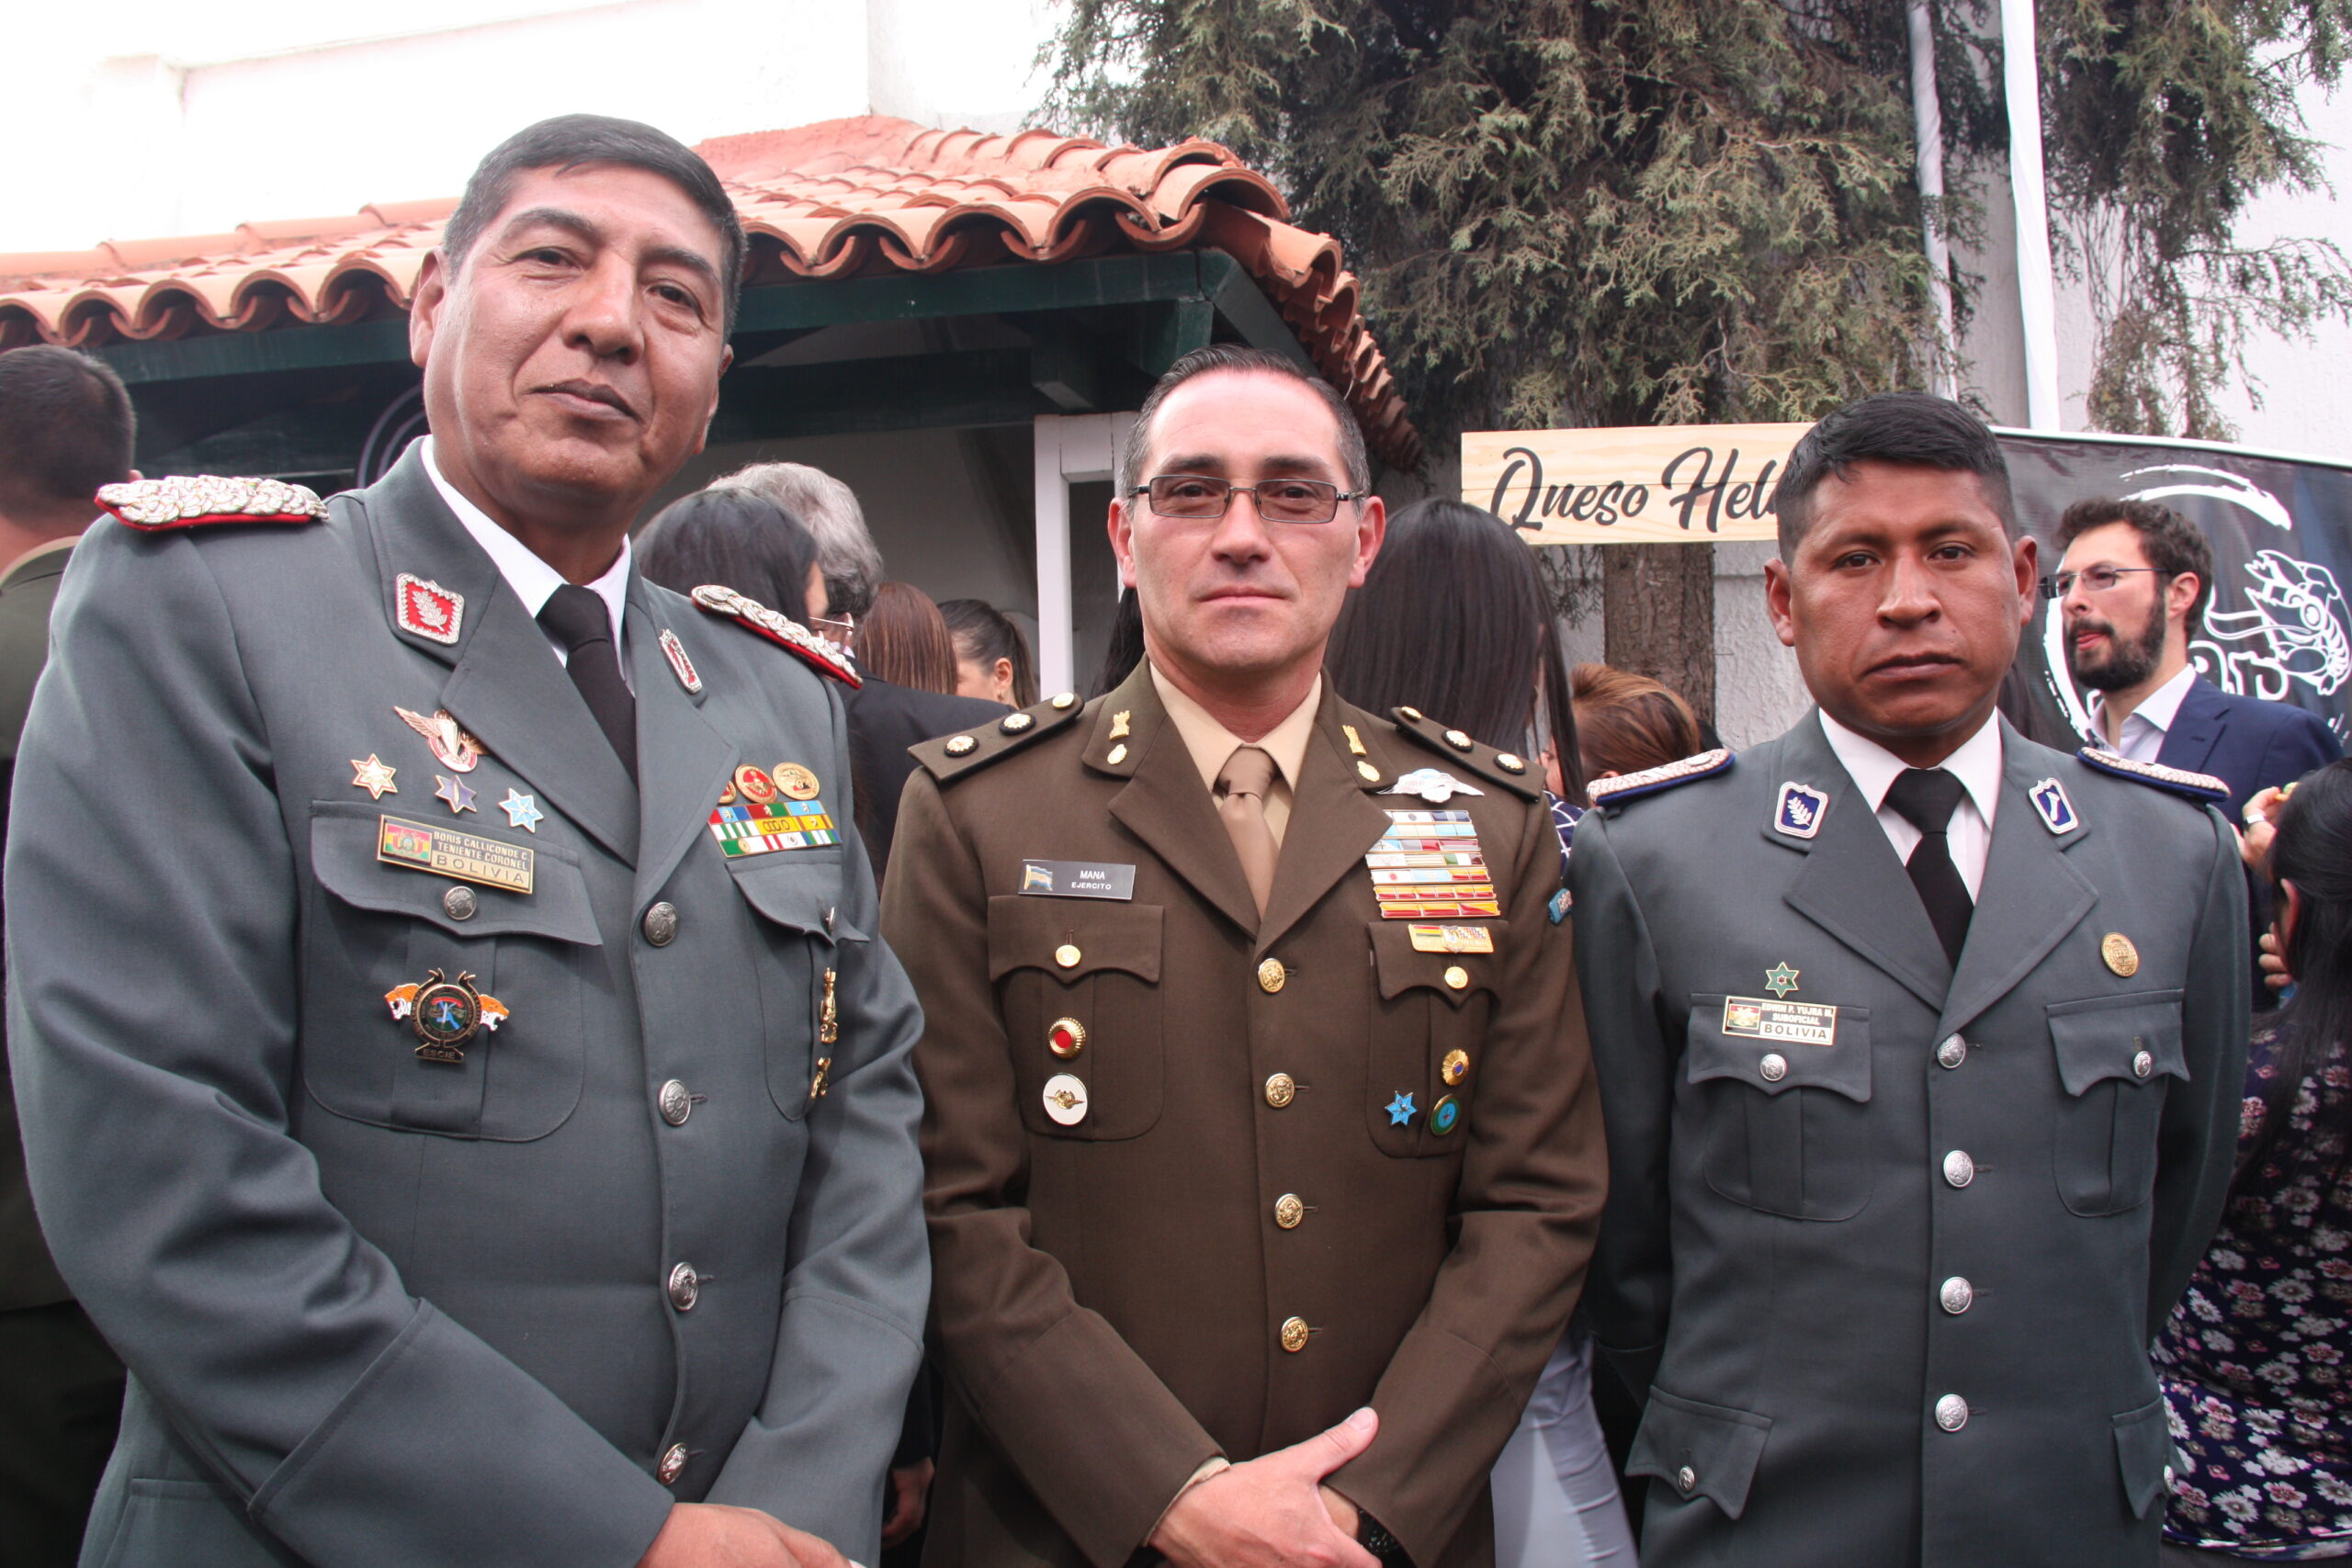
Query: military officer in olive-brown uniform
x,y
1256,1087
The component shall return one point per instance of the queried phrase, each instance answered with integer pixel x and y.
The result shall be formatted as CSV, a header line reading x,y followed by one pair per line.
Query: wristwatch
x,y
1374,1536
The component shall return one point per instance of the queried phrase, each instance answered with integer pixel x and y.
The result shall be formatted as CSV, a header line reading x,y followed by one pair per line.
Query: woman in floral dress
x,y
2256,1361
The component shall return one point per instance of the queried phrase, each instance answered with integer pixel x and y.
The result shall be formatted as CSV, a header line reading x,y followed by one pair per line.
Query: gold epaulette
x,y
1505,769
966,751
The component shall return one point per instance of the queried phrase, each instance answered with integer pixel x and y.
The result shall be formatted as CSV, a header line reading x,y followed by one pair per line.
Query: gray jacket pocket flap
x,y
796,889
1731,1037
2142,1448
344,858
1700,1451
2108,1037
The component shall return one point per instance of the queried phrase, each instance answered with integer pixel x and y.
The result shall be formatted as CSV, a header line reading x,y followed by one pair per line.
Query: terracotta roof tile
x,y
839,198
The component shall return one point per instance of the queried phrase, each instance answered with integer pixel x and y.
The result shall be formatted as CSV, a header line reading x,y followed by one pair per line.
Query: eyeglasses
x,y
2097,579
846,622
1201,498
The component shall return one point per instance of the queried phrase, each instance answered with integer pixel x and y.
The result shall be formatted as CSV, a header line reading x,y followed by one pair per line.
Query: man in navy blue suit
x,y
2133,584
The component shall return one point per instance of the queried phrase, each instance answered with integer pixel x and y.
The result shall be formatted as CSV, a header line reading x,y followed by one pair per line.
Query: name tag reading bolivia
x,y
1789,1023
447,853
1078,879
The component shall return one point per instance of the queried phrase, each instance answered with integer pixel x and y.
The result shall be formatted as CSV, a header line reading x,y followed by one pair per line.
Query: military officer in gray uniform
x,y
457,1070
1920,1046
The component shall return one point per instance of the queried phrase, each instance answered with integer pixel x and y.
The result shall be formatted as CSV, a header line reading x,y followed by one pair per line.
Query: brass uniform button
x,y
1271,976
961,746
686,1287
2121,955
1455,1068
1456,976
1294,1333
672,1465
1064,701
661,924
1458,740
675,1103
1015,723
459,903
1509,763
1066,1037
1412,713
1067,955
1289,1211
1281,1089
1774,1066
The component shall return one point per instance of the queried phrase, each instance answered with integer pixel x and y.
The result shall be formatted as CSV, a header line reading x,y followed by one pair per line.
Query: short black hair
x,y
2172,543
66,428
737,538
1354,458
1890,427
572,141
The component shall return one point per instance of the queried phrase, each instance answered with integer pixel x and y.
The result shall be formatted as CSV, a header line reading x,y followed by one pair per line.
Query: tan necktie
x,y
1241,786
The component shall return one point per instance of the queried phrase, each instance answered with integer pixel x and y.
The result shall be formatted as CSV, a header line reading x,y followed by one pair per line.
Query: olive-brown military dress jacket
x,y
1269,1213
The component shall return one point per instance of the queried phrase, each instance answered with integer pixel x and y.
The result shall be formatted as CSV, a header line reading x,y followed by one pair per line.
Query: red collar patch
x,y
825,657
194,500
427,609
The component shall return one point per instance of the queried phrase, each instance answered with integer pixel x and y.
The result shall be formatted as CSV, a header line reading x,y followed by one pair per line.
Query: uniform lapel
x,y
2195,730
683,762
1164,804
2031,895
1852,885
1332,822
505,684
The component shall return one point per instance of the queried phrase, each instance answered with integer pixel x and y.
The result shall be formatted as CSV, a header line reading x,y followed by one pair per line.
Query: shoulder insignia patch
x,y
968,750
1515,773
1653,781
2178,780
197,501
825,657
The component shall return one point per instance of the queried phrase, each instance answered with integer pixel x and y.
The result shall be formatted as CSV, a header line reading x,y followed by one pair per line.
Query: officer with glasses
x,y
1262,1152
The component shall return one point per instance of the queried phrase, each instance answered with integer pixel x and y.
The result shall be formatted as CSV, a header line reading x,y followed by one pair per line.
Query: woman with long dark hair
x,y
741,541
2256,1362
1454,620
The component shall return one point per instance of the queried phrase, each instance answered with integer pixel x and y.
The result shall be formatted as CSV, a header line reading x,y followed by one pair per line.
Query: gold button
x,y
1289,1211
1067,955
1370,773
1064,700
1015,723
1413,714
1458,740
1294,1333
1456,976
1271,976
1066,1037
1281,1089
1456,1066
1509,763
959,745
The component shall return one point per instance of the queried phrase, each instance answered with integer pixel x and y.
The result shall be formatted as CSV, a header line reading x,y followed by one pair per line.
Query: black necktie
x,y
578,619
1927,797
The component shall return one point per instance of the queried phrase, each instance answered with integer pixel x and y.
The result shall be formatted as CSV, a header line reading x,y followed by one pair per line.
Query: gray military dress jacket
x,y
386,1311
1889,1273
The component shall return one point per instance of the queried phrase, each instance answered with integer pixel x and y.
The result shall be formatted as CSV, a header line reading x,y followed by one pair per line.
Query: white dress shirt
x,y
2144,727
1977,766
532,580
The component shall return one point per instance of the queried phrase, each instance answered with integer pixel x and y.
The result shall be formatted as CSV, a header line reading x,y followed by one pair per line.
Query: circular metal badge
x,y
1509,763
1015,723
755,785
960,745
1066,1037
2121,955
1458,740
1455,1068
446,1015
797,781
1445,1115
1281,1089
1066,1098
1272,975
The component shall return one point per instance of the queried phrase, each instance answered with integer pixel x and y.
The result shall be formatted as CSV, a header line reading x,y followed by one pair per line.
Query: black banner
x,y
2277,626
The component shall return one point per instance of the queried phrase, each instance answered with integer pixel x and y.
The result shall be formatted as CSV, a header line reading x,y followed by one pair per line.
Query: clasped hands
x,y
1273,1511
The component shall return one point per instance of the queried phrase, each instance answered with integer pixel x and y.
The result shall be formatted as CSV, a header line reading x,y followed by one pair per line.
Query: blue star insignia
x,y
455,792
522,811
1400,1110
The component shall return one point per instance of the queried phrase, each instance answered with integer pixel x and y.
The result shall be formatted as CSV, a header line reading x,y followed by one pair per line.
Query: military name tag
x,y
1452,939
1790,1023
1078,879
467,857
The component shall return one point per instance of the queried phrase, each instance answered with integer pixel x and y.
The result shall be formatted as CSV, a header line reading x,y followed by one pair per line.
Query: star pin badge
x,y
522,811
374,777
455,791
1401,1110
1781,980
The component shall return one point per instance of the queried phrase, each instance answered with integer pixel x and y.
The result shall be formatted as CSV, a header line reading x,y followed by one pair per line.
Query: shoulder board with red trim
x,y
197,501
2202,787
825,657
1616,792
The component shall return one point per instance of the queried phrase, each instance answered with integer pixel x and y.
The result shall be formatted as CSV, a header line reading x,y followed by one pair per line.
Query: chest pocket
x,y
1780,1123
381,926
796,894
1094,964
1427,1039
2115,1056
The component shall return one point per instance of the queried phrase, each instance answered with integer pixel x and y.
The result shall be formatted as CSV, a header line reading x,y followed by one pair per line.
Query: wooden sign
x,y
1646,485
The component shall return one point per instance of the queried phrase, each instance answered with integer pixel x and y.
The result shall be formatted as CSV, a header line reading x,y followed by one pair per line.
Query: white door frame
x,y
1070,449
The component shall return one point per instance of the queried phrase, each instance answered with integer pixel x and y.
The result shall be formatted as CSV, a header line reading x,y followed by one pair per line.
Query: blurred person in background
x,y
846,553
1627,722
65,429
1124,650
991,656
738,539
1452,620
903,640
2253,1359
